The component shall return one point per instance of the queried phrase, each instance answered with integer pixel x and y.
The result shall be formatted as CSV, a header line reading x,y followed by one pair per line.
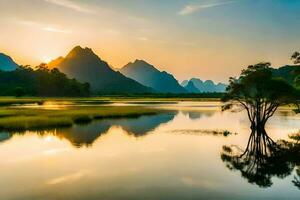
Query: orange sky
x,y
208,39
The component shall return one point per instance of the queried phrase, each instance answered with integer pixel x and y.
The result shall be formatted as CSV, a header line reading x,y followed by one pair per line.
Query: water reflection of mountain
x,y
264,159
85,135
4,136
144,124
193,115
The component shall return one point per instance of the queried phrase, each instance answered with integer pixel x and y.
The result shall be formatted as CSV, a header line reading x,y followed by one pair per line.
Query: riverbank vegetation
x,y
14,119
10,100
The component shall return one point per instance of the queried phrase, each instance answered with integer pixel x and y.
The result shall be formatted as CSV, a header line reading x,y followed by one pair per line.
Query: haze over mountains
x,y
84,65
148,75
135,77
191,88
207,86
7,63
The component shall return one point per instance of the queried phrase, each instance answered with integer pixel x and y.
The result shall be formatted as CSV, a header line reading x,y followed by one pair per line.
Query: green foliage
x,y
259,92
296,57
40,82
19,91
18,123
297,81
256,82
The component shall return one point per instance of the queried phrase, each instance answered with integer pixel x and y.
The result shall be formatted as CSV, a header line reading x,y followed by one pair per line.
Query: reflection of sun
x,y
48,139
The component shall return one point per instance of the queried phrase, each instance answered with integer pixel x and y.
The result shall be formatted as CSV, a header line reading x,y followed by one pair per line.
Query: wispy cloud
x,y
143,38
71,5
192,8
56,30
68,178
43,27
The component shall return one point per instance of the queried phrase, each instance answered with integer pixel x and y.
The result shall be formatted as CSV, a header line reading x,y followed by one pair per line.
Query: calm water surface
x,y
173,155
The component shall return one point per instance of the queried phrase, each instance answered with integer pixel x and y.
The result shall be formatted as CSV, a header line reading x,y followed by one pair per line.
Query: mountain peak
x,y
140,65
78,50
209,82
150,76
137,61
7,63
85,66
190,87
208,85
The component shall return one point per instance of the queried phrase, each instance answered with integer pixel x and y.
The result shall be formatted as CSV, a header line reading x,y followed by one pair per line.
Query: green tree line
x,y
25,81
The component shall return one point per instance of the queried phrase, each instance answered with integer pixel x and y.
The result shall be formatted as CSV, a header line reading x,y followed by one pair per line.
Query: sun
x,y
46,59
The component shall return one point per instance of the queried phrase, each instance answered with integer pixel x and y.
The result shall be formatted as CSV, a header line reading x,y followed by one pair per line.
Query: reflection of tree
x,y
296,180
264,159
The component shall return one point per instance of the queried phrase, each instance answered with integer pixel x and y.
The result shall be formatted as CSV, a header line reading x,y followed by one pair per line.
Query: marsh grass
x,y
20,119
19,123
82,119
5,101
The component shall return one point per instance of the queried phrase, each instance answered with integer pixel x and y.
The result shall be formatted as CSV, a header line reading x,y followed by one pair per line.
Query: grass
x,y
82,119
20,119
33,122
5,101
14,119
13,100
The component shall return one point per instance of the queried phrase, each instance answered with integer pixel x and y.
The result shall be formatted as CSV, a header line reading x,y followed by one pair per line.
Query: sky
x,y
207,39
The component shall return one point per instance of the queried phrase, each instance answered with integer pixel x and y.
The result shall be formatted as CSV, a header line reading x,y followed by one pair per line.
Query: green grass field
x,y
14,118
20,119
4,101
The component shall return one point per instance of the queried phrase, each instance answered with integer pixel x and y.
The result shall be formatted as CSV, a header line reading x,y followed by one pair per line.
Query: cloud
x,y
143,38
43,27
192,8
55,30
68,178
71,5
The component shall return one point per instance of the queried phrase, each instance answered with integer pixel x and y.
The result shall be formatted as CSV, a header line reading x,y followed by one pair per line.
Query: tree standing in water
x,y
259,93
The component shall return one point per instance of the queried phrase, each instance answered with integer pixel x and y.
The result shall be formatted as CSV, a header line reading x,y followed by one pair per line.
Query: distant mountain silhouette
x,y
84,65
205,86
190,87
148,75
184,83
7,63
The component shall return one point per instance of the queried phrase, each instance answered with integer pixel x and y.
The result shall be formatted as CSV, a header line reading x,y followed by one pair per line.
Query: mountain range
x,y
7,63
135,77
148,75
196,85
85,66
191,88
